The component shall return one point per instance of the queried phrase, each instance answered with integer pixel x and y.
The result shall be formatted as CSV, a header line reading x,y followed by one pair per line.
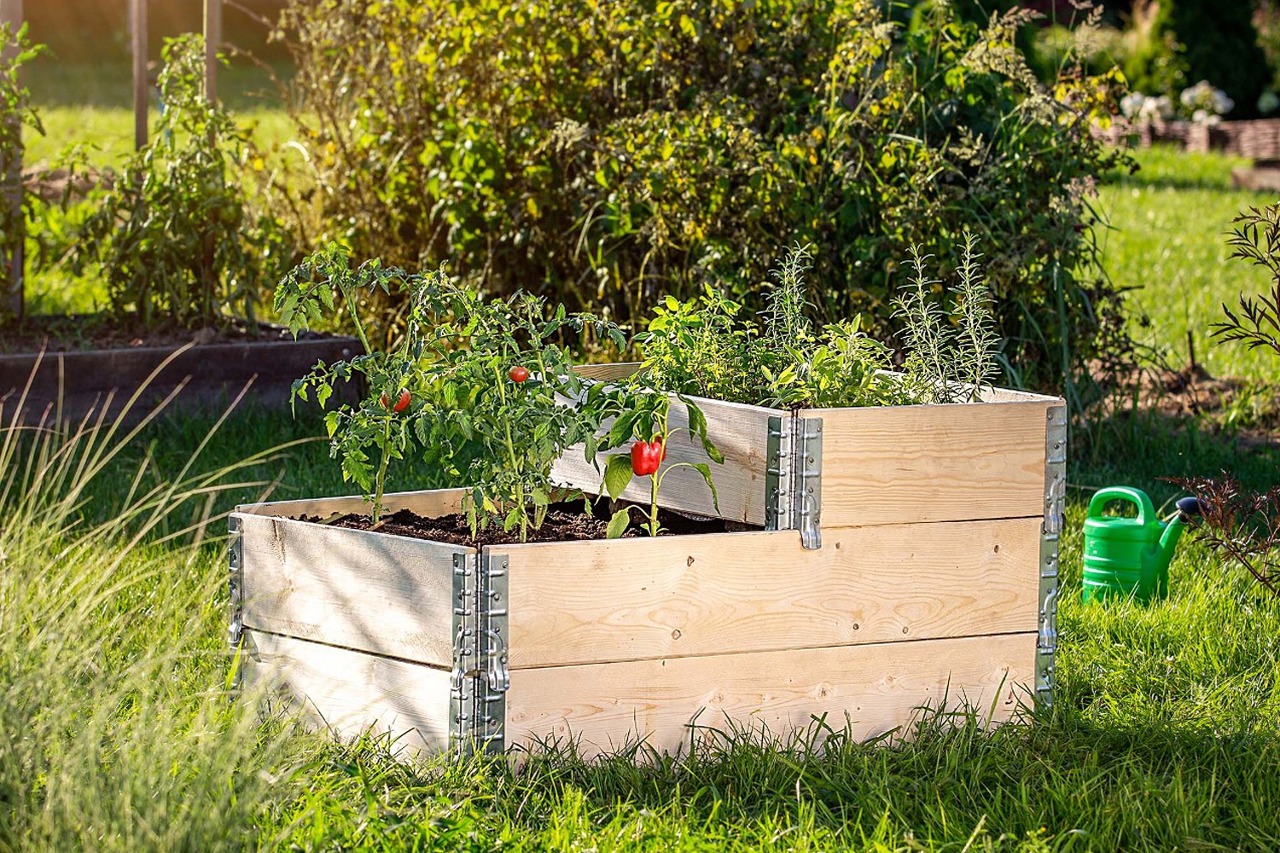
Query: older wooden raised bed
x,y
910,559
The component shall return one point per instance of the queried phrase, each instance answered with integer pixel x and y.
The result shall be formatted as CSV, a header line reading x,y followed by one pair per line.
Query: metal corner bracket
x,y
481,677
235,586
793,477
806,491
777,474
1055,492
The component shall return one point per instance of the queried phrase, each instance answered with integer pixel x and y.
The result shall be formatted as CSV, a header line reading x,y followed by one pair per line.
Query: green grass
x,y
1168,243
93,105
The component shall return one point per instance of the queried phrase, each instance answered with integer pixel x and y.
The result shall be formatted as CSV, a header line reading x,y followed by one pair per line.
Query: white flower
x,y
1132,104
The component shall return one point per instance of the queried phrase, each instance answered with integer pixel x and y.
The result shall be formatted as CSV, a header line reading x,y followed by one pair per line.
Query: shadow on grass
x,y
1138,448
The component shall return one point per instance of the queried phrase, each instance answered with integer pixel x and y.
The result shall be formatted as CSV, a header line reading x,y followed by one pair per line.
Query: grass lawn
x,y
1168,242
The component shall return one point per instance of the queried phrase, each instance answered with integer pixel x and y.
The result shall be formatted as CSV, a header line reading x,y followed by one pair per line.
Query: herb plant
x,y
486,385
948,362
176,236
702,346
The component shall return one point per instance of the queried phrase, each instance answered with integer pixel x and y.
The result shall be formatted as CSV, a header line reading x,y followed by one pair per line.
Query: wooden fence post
x,y
138,36
212,41
12,266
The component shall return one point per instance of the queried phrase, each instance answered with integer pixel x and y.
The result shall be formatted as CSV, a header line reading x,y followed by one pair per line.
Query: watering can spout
x,y
1187,508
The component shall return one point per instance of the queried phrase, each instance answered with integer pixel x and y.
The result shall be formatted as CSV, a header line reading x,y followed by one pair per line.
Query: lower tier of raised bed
x,y
609,642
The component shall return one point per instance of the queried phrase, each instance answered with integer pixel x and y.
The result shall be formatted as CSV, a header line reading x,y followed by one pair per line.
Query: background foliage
x,y
1180,42
608,154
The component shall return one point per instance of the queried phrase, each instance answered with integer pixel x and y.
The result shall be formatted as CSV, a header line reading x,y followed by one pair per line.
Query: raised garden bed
x,y
892,558
74,382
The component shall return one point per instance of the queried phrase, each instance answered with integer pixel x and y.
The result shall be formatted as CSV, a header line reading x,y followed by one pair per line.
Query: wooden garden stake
x,y
138,33
212,39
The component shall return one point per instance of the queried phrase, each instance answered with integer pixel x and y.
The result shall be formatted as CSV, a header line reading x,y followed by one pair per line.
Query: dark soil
x,y
79,332
565,522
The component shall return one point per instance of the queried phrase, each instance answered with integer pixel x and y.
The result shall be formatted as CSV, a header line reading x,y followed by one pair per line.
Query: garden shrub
x,y
177,237
1181,42
16,113
609,154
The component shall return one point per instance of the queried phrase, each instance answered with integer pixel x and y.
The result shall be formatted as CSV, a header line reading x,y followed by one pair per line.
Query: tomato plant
x,y
452,362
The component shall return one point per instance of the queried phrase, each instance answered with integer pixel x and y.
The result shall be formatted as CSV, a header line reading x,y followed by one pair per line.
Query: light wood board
x,y
878,687
905,464
349,692
428,504
607,372
740,432
643,598
370,591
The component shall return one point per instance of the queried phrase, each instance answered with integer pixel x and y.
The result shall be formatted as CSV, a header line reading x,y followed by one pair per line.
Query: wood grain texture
x,y
876,688
933,463
633,599
427,504
349,692
607,372
368,591
742,435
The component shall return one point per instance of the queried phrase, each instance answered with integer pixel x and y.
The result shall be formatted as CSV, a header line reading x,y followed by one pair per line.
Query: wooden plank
x,y
138,39
876,688
12,257
428,504
349,692
212,41
372,592
740,432
607,372
933,463
681,596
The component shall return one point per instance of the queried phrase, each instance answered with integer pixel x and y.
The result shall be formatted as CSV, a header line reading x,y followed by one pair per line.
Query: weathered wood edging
x,y
208,376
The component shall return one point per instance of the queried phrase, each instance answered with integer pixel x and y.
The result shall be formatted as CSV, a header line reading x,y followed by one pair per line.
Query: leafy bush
x,y
614,153
16,113
176,236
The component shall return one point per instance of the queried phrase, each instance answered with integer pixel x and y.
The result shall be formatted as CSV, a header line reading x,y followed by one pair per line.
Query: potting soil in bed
x,y
565,522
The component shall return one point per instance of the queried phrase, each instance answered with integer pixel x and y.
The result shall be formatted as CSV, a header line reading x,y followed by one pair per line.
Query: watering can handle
x,y
1146,511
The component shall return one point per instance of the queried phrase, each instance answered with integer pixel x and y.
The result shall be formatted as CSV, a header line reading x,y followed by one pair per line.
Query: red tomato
x,y
384,400
518,374
403,402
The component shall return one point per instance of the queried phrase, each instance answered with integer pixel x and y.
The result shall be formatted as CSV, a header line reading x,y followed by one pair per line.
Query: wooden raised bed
x,y
910,560
73,384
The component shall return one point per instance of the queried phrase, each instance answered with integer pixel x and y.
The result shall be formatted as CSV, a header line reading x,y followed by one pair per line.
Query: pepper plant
x,y
643,413
488,386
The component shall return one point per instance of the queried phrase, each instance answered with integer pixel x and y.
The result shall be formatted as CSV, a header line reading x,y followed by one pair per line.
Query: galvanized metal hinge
x,y
777,474
793,477
235,585
495,681
462,680
806,482
481,674
1055,493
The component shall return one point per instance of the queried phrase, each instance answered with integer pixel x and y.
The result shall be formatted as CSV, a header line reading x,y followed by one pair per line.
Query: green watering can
x,y
1126,556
